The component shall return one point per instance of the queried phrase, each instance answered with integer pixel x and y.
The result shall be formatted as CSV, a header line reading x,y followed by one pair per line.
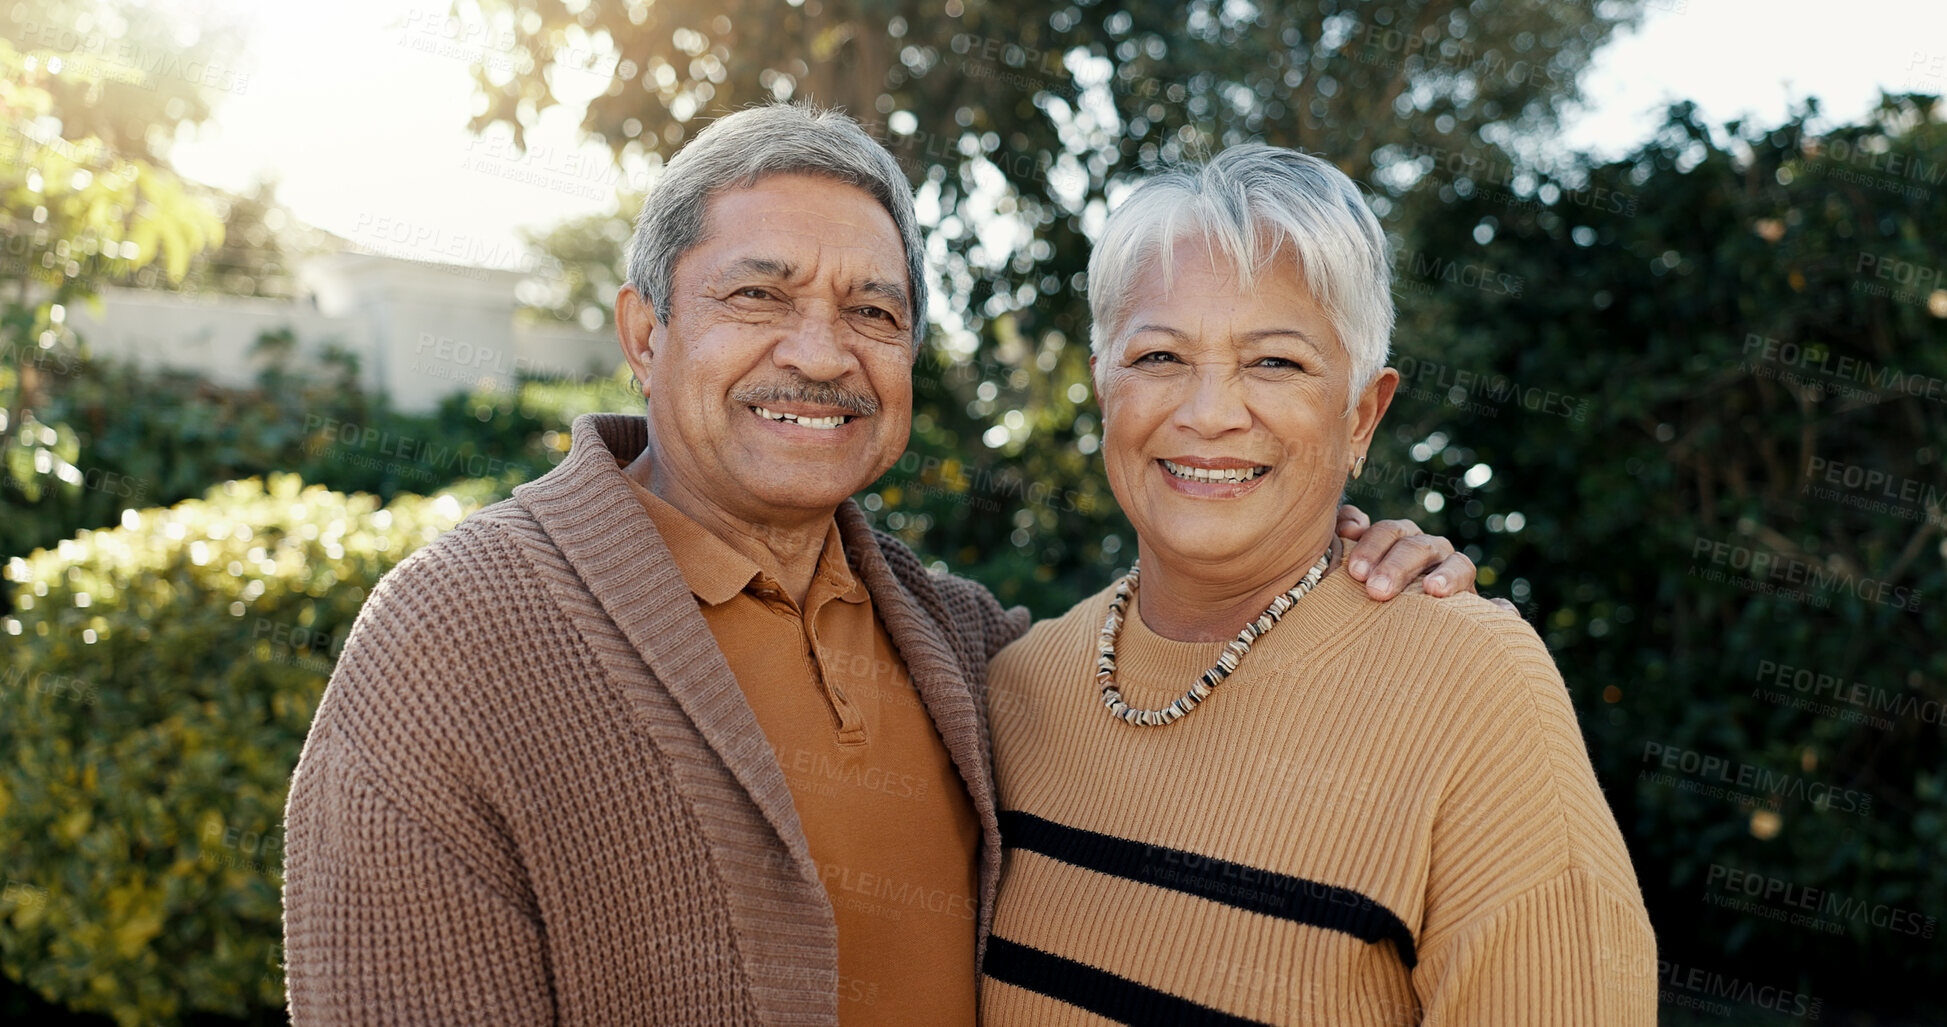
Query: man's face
x,y
782,381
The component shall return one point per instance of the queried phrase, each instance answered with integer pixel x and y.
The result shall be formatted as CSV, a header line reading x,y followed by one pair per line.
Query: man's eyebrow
x,y
764,267
885,290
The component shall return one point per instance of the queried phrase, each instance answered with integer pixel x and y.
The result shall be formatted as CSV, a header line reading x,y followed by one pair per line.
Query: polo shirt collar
x,y
716,572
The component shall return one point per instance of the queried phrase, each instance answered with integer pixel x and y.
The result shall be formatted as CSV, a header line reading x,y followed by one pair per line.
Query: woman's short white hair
x,y
1250,203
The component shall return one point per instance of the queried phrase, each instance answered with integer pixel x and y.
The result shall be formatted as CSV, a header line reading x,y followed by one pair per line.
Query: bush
x,y
160,680
82,455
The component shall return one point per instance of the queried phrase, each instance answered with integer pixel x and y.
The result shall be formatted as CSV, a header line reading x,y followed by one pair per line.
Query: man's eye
x,y
755,292
879,313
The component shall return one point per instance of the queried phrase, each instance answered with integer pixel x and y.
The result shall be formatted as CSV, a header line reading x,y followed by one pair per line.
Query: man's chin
x,y
804,493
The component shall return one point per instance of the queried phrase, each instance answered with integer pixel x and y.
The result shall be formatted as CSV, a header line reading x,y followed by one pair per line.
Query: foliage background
x,y
1598,395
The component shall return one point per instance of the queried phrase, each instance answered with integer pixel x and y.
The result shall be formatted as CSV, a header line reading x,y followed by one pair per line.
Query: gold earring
x,y
1358,467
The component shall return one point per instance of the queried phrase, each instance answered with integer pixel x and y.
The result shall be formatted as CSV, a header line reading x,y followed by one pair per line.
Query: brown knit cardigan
x,y
534,793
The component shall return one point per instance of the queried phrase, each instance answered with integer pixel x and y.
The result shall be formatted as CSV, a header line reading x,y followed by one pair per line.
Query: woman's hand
x,y
1390,554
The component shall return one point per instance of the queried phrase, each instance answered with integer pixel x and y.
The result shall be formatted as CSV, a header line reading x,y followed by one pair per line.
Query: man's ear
x,y
639,332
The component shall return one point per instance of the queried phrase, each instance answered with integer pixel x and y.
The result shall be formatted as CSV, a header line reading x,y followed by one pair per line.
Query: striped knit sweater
x,y
1385,816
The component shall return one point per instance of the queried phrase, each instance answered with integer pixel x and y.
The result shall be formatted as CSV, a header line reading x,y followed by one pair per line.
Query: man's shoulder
x,y
964,605
470,558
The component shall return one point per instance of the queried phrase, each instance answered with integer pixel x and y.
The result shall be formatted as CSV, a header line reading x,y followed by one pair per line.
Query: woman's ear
x,y
1372,405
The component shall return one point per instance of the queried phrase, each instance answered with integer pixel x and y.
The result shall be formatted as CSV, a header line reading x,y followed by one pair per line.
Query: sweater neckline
x,y
1153,670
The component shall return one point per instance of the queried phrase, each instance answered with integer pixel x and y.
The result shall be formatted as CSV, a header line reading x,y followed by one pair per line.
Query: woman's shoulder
x,y
1063,639
1467,627
1463,658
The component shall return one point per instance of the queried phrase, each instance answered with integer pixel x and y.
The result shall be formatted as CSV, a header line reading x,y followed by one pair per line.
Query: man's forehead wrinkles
x,y
859,268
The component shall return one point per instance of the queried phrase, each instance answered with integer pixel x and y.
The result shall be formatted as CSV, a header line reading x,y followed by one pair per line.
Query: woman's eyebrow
x,y
1262,334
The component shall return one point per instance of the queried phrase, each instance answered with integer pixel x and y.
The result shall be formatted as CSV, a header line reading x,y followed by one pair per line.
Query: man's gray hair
x,y
1249,203
738,149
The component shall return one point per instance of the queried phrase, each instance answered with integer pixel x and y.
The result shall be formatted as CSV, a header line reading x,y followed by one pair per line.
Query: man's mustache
x,y
804,390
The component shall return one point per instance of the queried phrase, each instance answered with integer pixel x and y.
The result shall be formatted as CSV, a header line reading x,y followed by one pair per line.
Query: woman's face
x,y
1225,427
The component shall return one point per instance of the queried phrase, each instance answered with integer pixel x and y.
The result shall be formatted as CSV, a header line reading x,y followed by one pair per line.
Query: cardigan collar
x,y
588,509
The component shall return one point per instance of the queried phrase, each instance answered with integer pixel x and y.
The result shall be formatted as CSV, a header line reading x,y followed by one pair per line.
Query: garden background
x,y
1686,407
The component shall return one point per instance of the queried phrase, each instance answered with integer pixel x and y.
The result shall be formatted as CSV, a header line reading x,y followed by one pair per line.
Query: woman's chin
x,y
1200,549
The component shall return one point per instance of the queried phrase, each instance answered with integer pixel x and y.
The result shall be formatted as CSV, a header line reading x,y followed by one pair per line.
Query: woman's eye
x,y
1278,364
1157,357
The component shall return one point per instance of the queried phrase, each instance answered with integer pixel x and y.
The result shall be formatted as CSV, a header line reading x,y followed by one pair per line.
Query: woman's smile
x,y
1212,478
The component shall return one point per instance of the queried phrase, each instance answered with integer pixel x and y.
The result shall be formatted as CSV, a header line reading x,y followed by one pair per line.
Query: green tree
x,y
1015,121
85,199
1706,388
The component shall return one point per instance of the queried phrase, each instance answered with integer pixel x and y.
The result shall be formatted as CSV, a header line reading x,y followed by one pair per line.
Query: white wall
x,y
421,330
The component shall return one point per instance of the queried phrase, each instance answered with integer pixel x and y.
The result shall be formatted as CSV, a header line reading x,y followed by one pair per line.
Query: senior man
x,y
672,736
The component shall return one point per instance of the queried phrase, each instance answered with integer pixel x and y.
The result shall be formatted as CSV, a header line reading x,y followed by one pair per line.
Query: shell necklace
x,y
1201,688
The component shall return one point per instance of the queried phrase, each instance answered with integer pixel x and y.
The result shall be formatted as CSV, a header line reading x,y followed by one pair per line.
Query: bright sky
x,y
366,130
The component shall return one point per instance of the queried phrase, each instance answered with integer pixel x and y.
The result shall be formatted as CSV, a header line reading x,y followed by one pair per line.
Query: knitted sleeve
x,y
384,925
1533,914
404,899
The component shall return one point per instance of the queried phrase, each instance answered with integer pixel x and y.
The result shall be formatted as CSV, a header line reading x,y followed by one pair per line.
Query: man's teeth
x,y
808,422
1222,476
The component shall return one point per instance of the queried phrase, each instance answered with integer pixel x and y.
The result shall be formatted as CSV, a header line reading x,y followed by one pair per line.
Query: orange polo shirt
x,y
887,818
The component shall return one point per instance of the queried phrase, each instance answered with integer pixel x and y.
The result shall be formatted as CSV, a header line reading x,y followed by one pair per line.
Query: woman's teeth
x,y
1218,475
808,422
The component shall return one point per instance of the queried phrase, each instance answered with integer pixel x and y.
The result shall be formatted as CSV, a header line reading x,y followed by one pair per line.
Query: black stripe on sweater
x,y
1098,991
1233,884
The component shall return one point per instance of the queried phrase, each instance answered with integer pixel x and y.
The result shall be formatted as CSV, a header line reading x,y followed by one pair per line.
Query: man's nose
x,y
812,345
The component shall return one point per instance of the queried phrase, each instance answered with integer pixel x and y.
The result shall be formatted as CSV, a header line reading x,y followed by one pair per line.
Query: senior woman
x,y
1234,788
